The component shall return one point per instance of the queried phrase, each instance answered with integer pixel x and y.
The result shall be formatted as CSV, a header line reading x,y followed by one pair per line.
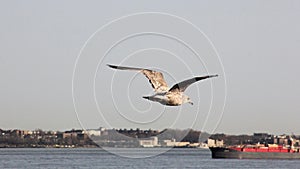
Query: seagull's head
x,y
187,100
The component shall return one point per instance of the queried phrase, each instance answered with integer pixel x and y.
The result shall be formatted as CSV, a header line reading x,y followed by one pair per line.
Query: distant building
x,y
264,135
215,143
195,144
72,133
148,142
28,132
182,144
69,135
174,143
169,143
93,132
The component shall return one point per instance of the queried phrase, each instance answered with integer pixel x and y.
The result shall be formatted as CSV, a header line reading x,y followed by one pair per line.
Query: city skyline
x,y
54,75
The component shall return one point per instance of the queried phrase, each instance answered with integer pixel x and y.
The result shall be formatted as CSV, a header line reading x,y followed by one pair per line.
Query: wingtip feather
x,y
112,66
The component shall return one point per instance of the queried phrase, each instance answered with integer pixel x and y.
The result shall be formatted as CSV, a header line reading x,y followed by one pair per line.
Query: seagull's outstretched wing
x,y
155,78
180,87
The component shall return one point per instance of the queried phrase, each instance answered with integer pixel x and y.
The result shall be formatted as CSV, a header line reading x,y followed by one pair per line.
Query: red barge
x,y
255,152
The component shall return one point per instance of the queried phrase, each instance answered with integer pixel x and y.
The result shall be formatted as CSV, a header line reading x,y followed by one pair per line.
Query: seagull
x,y
173,96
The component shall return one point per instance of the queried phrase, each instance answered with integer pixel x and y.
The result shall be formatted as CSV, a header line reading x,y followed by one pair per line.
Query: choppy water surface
x,y
98,158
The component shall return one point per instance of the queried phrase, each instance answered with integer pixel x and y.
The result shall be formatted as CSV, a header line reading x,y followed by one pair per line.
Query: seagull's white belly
x,y
173,99
159,97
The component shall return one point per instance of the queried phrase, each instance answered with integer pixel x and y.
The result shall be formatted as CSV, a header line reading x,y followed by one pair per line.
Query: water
x,y
98,158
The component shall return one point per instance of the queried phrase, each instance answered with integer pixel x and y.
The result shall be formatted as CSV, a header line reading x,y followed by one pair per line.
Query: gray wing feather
x,y
180,87
123,68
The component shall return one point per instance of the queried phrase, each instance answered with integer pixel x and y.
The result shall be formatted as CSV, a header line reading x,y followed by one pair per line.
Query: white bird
x,y
163,94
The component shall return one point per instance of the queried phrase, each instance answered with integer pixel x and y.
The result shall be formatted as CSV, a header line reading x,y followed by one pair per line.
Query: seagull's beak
x,y
190,102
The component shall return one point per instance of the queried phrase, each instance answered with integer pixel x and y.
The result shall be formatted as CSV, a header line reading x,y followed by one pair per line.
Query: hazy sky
x,y
257,43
